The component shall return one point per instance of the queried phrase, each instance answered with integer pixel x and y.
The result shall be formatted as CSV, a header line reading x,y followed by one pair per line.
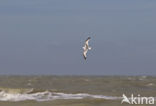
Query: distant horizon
x,y
76,75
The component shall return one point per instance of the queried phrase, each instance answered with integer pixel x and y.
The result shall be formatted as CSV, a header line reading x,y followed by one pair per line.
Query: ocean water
x,y
73,90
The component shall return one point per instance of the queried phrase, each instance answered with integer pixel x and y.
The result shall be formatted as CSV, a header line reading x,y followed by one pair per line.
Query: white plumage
x,y
86,48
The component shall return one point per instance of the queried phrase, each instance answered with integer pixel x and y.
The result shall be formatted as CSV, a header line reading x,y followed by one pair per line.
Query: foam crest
x,y
48,96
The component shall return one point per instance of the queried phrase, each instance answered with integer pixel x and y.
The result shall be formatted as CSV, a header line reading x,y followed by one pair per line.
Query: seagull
x,y
86,48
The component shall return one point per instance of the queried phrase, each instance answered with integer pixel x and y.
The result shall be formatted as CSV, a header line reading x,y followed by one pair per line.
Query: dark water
x,y
73,90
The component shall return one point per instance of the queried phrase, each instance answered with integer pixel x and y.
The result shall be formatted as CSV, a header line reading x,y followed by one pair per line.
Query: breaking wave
x,y
47,96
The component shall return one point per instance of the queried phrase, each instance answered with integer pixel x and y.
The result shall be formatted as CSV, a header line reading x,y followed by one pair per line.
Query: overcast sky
x,y
46,37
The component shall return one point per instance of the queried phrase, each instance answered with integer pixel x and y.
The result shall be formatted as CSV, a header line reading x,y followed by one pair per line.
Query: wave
x,y
48,96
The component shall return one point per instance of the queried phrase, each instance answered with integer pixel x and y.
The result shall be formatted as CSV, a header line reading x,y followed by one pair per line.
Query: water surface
x,y
72,90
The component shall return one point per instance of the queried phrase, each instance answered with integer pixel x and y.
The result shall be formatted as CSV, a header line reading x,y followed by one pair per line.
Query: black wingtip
x,y
84,57
88,38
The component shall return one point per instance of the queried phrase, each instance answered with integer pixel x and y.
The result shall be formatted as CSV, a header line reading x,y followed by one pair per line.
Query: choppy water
x,y
72,90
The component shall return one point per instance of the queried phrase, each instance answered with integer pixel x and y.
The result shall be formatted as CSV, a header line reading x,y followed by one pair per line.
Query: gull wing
x,y
85,54
87,40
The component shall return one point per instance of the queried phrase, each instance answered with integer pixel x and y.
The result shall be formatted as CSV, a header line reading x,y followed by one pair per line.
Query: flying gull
x,y
86,48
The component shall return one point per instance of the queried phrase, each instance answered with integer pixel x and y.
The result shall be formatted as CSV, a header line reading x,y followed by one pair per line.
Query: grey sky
x,y
46,37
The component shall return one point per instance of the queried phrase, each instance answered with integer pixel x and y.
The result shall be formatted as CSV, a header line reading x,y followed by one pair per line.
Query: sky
x,y
45,37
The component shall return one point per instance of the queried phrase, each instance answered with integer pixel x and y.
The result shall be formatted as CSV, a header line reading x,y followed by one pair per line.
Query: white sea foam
x,y
48,96
150,84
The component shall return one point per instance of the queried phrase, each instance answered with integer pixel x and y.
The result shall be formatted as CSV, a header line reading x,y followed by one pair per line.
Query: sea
x,y
74,90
